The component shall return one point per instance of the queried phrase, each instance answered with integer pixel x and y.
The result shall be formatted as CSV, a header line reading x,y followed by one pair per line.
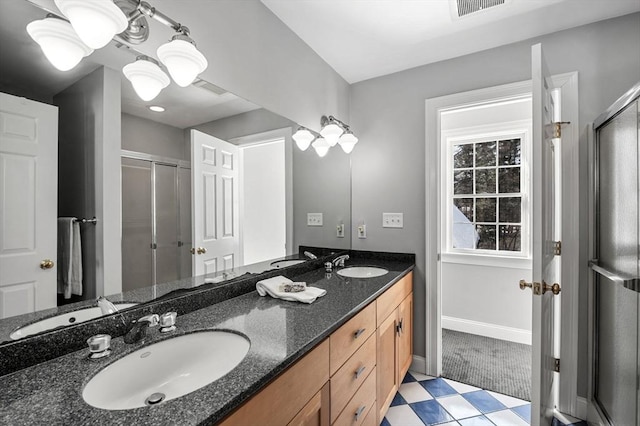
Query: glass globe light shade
x,y
321,146
303,138
183,61
95,21
347,141
59,43
331,132
146,78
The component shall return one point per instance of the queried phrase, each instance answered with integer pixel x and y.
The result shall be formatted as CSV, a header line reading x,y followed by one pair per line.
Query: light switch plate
x,y
340,231
392,220
314,219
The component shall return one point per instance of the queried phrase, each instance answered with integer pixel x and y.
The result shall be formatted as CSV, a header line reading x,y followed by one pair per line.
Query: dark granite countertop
x,y
280,333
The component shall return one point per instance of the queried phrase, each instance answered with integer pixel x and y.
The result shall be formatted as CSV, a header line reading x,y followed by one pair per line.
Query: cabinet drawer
x,y
370,420
351,375
390,299
362,402
348,338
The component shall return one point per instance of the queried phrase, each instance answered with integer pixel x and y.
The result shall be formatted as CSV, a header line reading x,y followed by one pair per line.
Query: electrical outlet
x,y
362,231
392,220
314,219
340,231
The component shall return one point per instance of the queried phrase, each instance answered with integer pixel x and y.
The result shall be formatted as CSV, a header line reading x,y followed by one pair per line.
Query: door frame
x,y
267,137
568,399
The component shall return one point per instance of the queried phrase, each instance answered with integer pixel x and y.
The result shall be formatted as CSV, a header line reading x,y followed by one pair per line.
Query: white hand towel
x,y
271,286
69,257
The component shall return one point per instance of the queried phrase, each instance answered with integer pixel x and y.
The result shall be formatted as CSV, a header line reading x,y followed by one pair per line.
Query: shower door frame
x,y
594,413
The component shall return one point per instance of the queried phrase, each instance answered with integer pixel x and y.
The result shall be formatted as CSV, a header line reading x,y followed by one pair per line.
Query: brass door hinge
x,y
557,128
557,248
556,365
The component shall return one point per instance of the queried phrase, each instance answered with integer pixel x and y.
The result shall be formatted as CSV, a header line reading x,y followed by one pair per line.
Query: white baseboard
x,y
419,364
582,408
510,334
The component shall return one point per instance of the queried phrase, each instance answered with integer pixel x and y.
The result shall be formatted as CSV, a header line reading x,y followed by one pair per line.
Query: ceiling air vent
x,y
203,84
467,7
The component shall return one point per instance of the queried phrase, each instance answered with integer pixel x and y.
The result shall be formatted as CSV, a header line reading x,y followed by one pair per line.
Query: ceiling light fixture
x,y
59,42
92,24
146,76
332,132
156,108
96,22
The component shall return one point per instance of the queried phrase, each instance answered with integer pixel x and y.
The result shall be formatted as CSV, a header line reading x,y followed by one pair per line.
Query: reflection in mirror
x,y
132,168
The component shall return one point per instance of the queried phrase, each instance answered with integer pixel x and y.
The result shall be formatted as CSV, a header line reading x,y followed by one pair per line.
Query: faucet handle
x,y
168,322
153,319
99,345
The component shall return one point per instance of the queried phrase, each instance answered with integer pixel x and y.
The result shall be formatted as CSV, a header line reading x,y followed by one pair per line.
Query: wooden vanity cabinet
x,y
394,333
348,379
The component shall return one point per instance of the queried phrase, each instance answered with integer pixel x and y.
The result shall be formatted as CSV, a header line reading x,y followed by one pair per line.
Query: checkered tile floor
x,y
424,400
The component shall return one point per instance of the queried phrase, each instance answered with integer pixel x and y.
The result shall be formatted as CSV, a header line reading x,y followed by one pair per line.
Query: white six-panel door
x,y
28,205
214,167
546,265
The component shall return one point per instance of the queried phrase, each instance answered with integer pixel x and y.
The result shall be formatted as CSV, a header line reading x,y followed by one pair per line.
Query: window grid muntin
x,y
497,195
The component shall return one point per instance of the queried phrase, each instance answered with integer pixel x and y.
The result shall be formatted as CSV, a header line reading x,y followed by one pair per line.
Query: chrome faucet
x,y
105,306
310,255
138,330
339,261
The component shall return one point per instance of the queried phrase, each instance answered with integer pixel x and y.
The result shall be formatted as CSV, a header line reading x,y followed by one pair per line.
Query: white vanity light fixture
x,y
321,146
181,57
348,141
333,131
58,41
96,22
303,138
146,76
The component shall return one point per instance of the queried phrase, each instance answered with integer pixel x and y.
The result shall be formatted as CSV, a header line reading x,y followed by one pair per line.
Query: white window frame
x,y
520,129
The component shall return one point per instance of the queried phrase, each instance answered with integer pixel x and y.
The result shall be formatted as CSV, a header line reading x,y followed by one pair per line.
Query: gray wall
x,y
141,135
89,132
253,54
388,114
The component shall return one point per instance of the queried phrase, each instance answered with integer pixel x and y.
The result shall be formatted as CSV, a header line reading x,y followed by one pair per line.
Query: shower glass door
x,y
617,268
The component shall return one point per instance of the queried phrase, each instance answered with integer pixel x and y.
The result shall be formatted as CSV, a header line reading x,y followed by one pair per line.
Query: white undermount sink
x,y
166,370
362,272
285,263
69,318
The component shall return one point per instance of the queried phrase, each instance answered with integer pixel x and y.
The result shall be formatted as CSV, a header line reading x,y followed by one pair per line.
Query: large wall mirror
x,y
251,211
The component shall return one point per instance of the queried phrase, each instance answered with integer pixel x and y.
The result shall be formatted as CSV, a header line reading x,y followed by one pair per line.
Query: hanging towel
x,y
69,257
272,287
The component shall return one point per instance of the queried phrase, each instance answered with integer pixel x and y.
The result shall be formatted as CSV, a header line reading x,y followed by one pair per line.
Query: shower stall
x,y
616,266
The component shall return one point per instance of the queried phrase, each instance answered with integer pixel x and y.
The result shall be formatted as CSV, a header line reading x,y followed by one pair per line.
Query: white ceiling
x,y
23,65
363,39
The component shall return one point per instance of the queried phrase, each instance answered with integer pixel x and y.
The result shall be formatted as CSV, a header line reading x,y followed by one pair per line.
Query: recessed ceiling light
x,y
156,108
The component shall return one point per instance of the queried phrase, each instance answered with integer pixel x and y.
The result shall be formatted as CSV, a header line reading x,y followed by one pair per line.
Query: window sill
x,y
487,260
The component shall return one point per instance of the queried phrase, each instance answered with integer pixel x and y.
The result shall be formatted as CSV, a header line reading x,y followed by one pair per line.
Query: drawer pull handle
x,y
360,411
400,328
359,371
358,332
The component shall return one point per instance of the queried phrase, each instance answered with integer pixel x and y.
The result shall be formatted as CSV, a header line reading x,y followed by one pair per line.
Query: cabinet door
x,y
316,412
405,336
387,363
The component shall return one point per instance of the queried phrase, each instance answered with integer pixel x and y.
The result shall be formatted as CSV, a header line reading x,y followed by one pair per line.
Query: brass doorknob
x,y
555,288
536,287
524,284
193,250
202,250
47,264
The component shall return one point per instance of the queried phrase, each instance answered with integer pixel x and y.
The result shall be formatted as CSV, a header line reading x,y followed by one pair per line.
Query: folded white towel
x,y
272,287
